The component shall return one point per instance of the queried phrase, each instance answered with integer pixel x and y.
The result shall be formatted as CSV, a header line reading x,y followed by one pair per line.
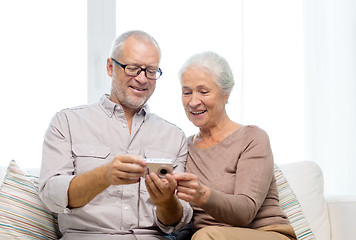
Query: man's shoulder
x,y
159,121
80,109
78,112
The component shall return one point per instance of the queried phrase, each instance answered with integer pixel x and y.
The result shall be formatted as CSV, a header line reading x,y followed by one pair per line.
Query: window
x,y
183,28
263,43
43,70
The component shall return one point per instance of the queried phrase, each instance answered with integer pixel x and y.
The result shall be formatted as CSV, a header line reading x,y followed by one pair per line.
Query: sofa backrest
x,y
306,180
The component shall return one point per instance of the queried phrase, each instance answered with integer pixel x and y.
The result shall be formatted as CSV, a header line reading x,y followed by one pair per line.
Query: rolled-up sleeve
x,y
54,193
57,167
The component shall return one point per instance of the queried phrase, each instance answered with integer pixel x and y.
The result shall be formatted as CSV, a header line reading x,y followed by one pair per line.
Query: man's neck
x,y
129,118
128,112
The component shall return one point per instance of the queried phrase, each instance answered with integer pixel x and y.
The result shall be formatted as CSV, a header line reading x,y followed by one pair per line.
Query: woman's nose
x,y
194,101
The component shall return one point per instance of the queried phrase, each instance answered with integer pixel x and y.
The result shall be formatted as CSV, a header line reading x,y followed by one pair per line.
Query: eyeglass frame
x,y
139,71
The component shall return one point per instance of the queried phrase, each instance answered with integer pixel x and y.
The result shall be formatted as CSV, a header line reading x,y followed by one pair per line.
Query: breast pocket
x,y
89,156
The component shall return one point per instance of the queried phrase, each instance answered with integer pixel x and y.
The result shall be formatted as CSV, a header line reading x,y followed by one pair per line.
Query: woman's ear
x,y
226,98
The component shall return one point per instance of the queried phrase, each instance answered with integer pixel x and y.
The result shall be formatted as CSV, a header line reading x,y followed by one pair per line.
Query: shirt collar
x,y
109,107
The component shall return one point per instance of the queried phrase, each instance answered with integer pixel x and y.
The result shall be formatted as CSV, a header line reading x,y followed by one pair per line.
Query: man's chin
x,y
135,105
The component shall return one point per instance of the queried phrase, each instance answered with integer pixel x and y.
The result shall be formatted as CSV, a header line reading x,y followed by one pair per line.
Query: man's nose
x,y
141,77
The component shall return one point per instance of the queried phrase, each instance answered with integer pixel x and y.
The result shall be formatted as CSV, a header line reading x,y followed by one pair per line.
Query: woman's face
x,y
203,99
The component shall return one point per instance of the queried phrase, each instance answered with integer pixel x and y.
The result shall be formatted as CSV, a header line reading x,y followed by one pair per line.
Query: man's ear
x,y
109,67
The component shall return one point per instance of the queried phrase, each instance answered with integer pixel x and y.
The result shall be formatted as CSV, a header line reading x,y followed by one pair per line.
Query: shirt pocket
x,y
89,156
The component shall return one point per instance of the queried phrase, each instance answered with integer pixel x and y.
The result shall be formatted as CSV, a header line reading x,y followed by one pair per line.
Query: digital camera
x,y
161,166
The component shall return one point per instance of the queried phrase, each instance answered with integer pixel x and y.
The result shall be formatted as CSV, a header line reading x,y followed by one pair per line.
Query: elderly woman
x,y
229,178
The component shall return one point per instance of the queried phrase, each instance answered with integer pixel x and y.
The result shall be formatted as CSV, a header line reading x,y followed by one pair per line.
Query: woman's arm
x,y
253,177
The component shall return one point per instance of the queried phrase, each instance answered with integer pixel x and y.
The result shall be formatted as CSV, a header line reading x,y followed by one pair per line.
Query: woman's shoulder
x,y
253,132
253,129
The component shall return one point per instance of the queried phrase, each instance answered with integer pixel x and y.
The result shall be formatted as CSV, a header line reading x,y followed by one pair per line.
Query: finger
x,y
118,181
185,183
187,191
151,187
133,159
128,175
184,176
160,183
130,167
184,197
163,185
172,182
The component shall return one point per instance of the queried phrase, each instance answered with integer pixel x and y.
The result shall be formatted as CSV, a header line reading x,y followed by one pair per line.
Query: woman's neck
x,y
211,136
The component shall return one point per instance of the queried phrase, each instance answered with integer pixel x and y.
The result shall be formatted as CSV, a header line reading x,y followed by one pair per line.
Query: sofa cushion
x,y
290,205
22,213
306,180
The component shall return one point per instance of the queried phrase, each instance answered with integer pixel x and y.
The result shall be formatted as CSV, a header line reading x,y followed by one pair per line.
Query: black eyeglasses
x,y
134,71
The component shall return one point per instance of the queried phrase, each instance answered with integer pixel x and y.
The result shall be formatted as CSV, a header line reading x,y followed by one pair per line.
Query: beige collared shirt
x,y
83,138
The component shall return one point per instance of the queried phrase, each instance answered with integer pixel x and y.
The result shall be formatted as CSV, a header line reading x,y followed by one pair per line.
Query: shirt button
x,y
126,208
124,125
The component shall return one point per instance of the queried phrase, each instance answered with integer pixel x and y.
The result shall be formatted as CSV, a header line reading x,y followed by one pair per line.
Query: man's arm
x,y
124,169
84,187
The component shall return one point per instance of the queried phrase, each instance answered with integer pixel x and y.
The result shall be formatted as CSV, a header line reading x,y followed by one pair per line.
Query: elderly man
x,y
93,166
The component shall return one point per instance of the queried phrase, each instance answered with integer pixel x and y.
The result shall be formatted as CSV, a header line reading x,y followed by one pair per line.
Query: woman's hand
x,y
190,189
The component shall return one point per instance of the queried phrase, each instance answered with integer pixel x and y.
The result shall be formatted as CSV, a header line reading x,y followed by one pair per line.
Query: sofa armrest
x,y
342,216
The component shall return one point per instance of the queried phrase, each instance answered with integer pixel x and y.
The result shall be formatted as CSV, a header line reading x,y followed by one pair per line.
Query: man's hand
x,y
169,210
190,189
125,169
161,190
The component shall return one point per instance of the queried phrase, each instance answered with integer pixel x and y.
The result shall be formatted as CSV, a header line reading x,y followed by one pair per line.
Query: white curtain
x,y
330,91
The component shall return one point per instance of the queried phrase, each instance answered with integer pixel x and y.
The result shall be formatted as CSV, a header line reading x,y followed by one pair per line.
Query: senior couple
x,y
93,164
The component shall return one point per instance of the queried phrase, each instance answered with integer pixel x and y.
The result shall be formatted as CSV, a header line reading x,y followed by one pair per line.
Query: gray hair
x,y
215,64
116,47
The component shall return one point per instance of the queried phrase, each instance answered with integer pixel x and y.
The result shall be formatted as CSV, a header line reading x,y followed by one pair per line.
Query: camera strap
x,y
138,202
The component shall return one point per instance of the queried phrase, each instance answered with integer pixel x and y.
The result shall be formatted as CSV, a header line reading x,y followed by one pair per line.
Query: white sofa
x,y
331,218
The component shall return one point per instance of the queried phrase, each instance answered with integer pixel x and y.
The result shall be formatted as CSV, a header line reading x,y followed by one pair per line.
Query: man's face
x,y
133,92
